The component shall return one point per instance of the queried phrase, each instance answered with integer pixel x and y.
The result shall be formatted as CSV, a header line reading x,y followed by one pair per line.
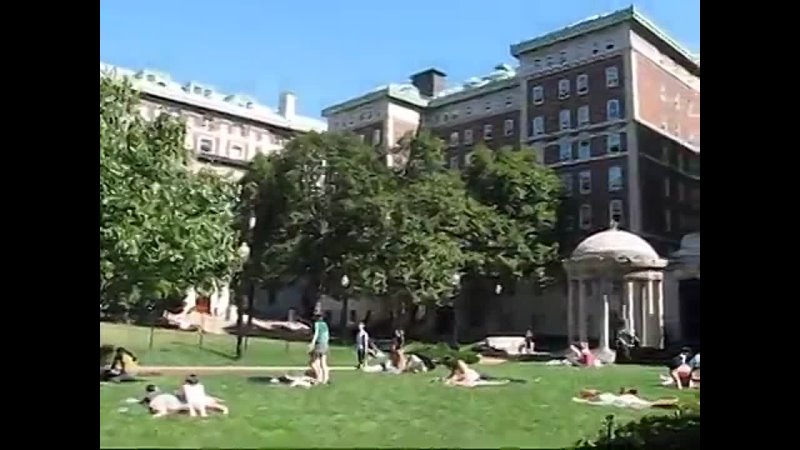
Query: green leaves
x,y
163,228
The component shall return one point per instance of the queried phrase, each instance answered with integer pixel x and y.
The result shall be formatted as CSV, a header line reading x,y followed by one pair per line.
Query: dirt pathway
x,y
225,369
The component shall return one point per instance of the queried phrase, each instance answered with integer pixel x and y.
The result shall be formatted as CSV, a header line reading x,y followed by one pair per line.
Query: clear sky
x,y
329,51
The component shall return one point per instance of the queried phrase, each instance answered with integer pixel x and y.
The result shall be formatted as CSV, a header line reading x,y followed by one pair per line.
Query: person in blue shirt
x,y
319,349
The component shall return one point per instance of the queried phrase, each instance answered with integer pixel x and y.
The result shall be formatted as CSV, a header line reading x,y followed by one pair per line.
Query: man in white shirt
x,y
362,345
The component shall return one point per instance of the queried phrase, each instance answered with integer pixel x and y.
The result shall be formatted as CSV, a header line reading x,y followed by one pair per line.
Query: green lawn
x,y
181,348
379,410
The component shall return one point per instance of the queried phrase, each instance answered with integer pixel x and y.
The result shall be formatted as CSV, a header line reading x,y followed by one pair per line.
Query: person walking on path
x,y
362,345
319,349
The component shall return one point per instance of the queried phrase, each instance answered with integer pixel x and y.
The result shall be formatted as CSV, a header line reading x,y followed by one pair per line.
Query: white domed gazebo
x,y
609,258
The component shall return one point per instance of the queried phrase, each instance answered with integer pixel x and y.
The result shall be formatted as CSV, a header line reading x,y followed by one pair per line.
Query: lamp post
x,y
456,281
345,283
246,279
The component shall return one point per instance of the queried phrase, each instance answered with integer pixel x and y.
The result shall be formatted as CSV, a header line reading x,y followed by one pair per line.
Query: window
x,y
454,115
612,76
583,116
681,192
468,111
376,136
468,137
566,180
667,187
236,151
353,316
695,198
508,127
509,101
563,88
487,132
564,120
612,110
585,216
488,106
667,220
680,161
537,127
615,210
537,94
562,56
454,162
361,137
453,142
582,84
585,182
445,117
614,178
569,223
564,151
206,145
613,143
584,150
468,158
665,152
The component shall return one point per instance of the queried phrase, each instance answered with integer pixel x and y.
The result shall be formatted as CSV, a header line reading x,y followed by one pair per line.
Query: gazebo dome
x,y
615,244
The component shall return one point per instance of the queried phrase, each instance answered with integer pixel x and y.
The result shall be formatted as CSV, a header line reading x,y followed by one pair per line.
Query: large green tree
x,y
163,227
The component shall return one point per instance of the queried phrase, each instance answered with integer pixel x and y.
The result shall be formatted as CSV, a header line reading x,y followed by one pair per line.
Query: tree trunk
x,y
251,295
310,295
239,322
343,316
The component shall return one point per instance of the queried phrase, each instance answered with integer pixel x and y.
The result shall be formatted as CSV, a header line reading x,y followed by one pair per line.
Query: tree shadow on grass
x,y
260,379
228,356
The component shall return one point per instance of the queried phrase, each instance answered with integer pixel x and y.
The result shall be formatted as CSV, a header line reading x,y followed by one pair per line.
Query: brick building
x,y
611,103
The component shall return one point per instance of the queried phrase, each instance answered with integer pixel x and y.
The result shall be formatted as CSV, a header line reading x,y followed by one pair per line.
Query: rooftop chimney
x,y
287,105
429,82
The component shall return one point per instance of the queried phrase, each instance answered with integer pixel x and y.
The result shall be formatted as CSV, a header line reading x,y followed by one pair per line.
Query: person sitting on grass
x,y
117,371
193,395
679,372
163,404
582,356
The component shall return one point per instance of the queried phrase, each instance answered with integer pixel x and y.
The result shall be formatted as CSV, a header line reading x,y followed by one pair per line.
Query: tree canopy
x,y
163,227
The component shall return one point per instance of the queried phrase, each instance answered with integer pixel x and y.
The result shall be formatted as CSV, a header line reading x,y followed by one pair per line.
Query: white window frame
x,y
564,151
376,136
583,116
488,132
537,95
455,162
241,147
201,140
453,140
564,120
585,216
615,172
563,88
612,76
568,181
587,145
613,140
613,105
537,126
582,84
468,139
585,175
508,127
616,206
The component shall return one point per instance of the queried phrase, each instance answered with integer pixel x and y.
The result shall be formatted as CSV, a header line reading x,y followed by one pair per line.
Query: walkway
x,y
226,369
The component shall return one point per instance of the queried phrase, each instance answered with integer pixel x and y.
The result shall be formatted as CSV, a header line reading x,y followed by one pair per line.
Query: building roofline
x,y
604,21
393,92
493,86
172,92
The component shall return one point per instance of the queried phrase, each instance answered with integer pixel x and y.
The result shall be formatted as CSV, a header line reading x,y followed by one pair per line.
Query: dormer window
x,y
197,90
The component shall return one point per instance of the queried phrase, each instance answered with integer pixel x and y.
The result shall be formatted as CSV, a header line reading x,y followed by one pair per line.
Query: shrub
x,y
679,431
441,352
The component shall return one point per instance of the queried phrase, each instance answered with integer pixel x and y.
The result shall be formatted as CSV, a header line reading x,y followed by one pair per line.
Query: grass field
x,y
364,410
181,348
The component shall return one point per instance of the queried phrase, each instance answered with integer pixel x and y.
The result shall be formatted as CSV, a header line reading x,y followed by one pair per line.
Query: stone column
x,y
643,315
604,326
570,311
631,293
582,310
660,312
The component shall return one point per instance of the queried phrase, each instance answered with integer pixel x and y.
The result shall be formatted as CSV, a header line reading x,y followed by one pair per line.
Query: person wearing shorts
x,y
319,349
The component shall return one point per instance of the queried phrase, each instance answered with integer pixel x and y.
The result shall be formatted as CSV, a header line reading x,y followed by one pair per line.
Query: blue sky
x,y
329,51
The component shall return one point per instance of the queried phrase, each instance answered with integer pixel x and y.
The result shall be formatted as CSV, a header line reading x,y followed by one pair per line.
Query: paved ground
x,y
226,369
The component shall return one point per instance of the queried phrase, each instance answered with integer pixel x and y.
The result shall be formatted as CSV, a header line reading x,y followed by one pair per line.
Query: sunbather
x,y
462,374
162,404
679,370
627,398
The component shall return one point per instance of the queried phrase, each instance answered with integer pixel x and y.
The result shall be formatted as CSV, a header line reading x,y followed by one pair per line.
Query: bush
x,y
441,352
680,431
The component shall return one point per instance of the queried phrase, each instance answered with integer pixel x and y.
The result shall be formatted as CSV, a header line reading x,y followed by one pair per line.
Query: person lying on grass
x,y
410,364
462,374
627,398
163,404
